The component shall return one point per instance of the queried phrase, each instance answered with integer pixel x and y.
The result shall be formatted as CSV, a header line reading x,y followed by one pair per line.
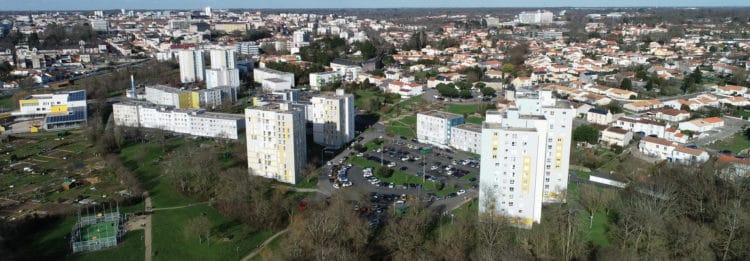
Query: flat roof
x,y
470,127
441,114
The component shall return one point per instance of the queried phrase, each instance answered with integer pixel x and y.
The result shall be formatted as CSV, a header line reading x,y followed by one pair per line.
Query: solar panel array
x,y
73,116
77,96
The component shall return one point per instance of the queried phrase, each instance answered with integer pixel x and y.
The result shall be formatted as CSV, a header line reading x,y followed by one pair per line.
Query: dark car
x,y
472,179
403,168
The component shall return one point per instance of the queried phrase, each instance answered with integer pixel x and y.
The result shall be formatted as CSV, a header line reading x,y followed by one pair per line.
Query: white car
x,y
336,185
461,192
366,174
392,164
434,167
346,184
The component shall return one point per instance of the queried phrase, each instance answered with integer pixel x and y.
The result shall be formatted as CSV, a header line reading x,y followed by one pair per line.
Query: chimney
x,y
132,87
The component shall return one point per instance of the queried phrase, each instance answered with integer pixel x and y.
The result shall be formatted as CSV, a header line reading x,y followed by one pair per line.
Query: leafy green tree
x,y
465,94
384,171
697,75
626,84
586,133
487,91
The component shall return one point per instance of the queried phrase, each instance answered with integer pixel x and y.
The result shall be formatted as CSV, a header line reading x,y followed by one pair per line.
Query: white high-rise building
x,y
276,142
300,36
223,58
207,11
191,65
333,118
222,77
538,17
434,127
525,157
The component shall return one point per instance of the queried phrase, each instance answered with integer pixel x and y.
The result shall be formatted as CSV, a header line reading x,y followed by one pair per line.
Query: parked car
x,y
461,192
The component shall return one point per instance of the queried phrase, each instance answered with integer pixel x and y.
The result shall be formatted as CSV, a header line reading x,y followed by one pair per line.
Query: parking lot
x,y
439,174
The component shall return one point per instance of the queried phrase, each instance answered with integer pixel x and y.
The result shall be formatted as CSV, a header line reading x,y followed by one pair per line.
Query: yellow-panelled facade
x,y
195,100
189,100
59,108
33,102
526,174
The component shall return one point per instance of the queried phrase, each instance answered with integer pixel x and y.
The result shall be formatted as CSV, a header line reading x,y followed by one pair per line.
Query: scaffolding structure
x,y
97,231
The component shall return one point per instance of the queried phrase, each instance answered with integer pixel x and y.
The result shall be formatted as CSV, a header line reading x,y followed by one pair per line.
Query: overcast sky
x,y
196,4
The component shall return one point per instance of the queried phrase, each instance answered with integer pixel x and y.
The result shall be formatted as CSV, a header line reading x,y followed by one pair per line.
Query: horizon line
x,y
395,7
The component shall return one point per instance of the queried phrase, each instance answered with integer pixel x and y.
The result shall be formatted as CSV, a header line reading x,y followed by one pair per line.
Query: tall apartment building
x,y
320,79
538,17
467,137
262,74
222,77
248,48
276,142
333,118
223,58
189,99
191,65
196,122
525,157
434,127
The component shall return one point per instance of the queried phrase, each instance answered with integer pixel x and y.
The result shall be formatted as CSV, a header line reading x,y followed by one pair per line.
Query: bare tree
x,y
199,227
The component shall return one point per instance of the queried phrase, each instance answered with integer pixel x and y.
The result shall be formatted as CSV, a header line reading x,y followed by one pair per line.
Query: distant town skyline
x,y
13,5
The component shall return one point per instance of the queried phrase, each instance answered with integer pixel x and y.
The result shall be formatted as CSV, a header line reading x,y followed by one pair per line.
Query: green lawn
x,y
475,120
361,95
598,233
313,183
132,248
462,108
470,208
400,177
144,159
735,143
229,239
469,176
405,127
581,174
7,102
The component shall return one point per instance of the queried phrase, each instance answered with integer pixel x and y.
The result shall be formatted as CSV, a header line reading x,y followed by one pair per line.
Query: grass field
x,y
229,239
462,108
405,127
7,102
99,230
143,158
475,120
736,143
132,248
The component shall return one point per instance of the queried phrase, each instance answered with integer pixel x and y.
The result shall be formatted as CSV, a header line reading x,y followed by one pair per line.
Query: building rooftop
x,y
617,130
276,80
441,114
470,127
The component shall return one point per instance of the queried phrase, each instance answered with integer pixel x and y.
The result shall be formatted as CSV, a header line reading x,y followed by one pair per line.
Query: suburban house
x,y
735,101
670,151
730,90
656,147
641,126
616,136
522,82
687,155
702,125
673,134
643,105
670,115
620,94
599,116
736,167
